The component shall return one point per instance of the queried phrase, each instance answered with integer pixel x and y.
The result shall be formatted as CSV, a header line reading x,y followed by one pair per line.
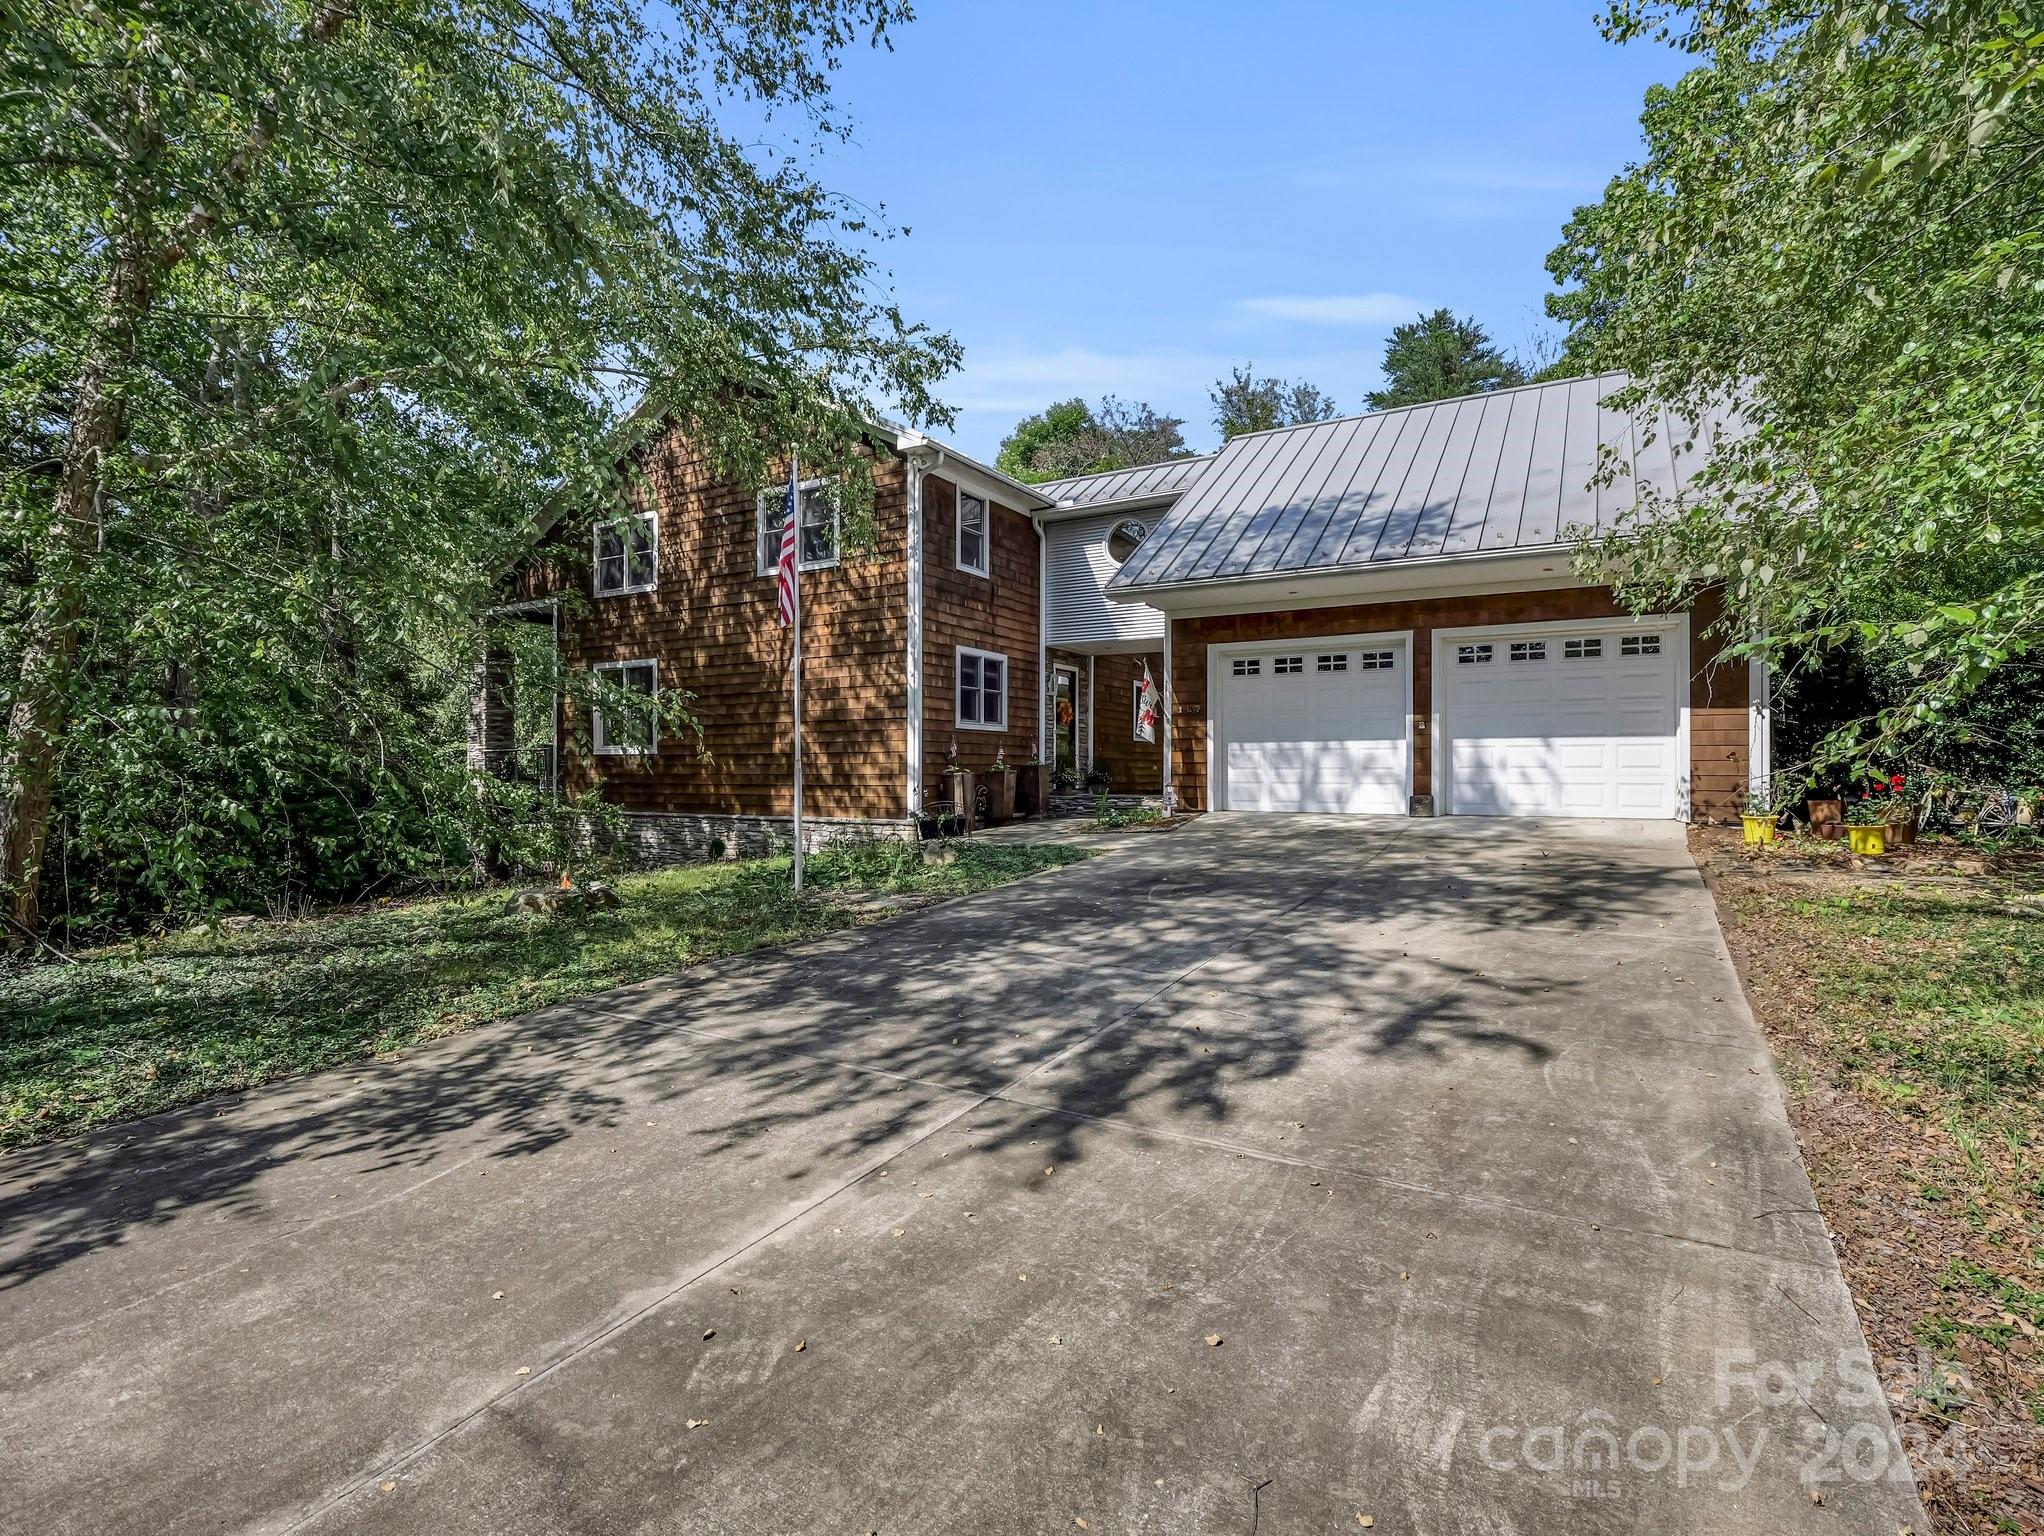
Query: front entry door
x,y
1065,712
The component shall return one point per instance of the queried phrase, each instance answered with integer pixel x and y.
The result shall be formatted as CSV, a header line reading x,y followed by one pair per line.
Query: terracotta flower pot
x,y
1827,818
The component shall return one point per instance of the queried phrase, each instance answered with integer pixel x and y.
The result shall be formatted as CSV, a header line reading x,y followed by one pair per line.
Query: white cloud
x,y
1337,308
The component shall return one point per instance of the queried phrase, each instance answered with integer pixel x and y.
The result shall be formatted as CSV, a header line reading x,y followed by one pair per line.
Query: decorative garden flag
x,y
788,574
1146,708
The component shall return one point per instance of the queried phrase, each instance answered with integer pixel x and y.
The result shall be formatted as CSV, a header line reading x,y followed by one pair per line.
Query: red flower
x,y
1895,781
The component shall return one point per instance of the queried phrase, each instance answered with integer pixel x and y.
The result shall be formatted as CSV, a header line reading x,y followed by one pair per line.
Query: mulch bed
x,y
1898,1194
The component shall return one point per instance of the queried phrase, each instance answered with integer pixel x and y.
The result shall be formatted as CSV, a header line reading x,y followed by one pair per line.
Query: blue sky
x,y
1128,198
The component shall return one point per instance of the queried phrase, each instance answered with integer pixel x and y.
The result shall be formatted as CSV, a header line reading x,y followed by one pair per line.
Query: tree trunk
x,y
40,714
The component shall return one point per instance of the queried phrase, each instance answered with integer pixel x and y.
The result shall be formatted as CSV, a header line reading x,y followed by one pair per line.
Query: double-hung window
x,y
982,690
972,533
631,728
627,554
818,543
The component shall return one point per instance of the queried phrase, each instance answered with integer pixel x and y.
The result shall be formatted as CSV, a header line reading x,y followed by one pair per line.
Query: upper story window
x,y
627,554
631,731
982,690
1123,539
972,533
820,526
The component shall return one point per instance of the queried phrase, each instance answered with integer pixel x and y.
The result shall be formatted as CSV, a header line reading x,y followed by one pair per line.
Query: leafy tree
x,y
307,309
1073,438
1439,357
1245,403
1836,224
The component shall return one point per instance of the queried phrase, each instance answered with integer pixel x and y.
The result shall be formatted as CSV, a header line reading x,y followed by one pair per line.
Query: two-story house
x,y
1375,614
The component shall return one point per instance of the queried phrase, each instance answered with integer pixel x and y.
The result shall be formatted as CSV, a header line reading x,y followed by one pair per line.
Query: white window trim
x,y
597,742
986,533
767,500
596,588
959,653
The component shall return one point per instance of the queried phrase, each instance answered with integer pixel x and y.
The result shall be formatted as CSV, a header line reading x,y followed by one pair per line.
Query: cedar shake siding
x,y
1717,690
712,623
1133,767
995,612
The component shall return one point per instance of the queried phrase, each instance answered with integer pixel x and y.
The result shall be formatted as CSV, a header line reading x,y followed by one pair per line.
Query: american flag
x,y
785,569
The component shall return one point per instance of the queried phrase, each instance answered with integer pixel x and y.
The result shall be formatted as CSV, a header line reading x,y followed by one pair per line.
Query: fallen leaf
x,y
898,1231
388,1487
709,1333
524,1370
697,1423
1366,1521
1057,1338
496,1295
1214,1339
801,1345
1080,1522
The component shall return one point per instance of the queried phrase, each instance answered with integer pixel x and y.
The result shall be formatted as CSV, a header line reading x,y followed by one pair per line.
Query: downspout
x,y
917,466
1043,690
1164,719
554,771
1759,727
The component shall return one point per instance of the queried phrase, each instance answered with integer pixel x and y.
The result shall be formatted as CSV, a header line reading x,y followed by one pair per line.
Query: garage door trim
x,y
1218,657
1444,640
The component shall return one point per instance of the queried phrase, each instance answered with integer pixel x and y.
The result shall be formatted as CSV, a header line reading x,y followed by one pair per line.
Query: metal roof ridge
x,y
1425,405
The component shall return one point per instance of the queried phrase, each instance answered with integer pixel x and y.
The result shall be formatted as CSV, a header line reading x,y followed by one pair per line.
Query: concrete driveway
x,y
1256,1176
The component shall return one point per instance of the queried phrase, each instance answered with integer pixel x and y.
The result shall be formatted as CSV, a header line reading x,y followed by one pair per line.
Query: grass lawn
x,y
137,1028
1907,1018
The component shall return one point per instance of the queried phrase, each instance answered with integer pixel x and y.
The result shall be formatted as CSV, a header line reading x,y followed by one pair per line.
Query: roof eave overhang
x,y
981,479
1506,570
1064,512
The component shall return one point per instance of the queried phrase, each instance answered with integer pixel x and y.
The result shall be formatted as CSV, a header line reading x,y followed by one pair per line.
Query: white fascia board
x,y
980,479
1068,511
1406,580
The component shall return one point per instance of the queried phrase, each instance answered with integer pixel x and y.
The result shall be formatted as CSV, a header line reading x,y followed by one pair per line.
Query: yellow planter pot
x,y
1869,840
1759,829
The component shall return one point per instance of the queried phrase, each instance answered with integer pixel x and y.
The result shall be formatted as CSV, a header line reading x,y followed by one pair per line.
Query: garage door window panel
x,y
1327,737
1595,736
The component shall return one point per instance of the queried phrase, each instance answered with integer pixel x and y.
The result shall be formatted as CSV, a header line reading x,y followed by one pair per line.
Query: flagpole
x,y
795,514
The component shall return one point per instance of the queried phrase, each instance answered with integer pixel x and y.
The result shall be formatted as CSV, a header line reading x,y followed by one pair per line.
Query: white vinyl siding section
x,y
1075,554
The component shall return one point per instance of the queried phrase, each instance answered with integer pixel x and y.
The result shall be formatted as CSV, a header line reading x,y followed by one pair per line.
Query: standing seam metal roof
x,y
1511,469
1161,479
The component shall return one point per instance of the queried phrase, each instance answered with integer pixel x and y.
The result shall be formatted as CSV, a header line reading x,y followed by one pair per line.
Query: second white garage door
x,y
1567,723
1319,727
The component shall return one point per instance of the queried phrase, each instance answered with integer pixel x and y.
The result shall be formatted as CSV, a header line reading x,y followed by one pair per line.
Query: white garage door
x,y
1563,724
1319,728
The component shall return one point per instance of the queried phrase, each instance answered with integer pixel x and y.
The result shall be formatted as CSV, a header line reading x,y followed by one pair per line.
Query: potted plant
x,y
1827,816
1866,825
1901,812
938,820
1759,816
960,791
1000,788
1032,789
